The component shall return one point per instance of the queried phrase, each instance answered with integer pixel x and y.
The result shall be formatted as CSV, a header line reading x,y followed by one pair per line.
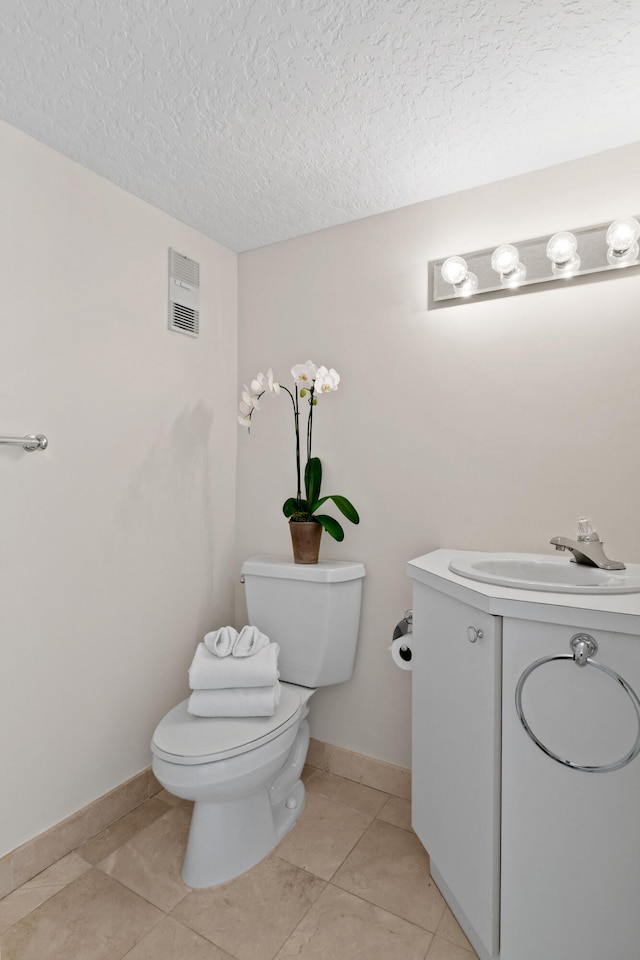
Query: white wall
x,y
484,426
116,542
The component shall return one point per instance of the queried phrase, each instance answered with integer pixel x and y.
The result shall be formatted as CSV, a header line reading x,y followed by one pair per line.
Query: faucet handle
x,y
585,529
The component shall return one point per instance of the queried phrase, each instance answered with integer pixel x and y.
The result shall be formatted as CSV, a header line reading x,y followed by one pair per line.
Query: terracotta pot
x,y
305,539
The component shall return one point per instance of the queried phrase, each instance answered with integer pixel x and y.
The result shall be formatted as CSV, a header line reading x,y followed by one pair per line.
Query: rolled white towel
x,y
235,702
221,642
249,642
208,672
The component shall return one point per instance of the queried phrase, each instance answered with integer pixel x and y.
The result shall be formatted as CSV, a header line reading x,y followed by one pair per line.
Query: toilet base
x,y
228,837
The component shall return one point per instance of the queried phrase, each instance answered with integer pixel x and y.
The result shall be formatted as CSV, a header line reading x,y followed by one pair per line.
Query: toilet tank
x,y
311,610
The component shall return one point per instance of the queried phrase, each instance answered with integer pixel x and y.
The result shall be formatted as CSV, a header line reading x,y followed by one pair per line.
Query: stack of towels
x,y
234,675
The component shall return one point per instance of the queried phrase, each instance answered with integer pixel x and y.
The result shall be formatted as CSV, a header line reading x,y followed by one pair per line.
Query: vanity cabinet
x,y
526,765
456,756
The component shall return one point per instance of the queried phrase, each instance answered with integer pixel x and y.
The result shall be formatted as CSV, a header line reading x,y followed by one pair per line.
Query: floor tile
x,y
445,950
323,836
398,812
44,886
351,794
36,855
150,863
450,929
169,940
307,772
122,830
389,867
340,925
252,916
354,766
92,918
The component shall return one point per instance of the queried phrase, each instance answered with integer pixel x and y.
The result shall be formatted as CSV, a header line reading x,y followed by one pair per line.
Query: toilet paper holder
x,y
404,626
401,652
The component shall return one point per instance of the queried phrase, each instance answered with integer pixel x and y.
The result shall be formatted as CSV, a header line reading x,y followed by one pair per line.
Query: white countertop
x,y
618,612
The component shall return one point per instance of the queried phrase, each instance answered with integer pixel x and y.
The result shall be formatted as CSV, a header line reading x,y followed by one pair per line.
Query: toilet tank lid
x,y
325,571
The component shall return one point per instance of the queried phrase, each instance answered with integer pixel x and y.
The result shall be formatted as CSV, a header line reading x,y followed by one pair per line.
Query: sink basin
x,y
532,571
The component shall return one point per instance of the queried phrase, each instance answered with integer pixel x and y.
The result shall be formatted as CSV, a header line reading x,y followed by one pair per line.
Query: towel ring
x,y
578,657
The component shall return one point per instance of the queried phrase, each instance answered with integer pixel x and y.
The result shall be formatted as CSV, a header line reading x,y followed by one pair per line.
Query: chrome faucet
x,y
587,548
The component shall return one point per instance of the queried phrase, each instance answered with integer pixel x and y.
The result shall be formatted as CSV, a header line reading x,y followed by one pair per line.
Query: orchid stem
x,y
310,425
296,420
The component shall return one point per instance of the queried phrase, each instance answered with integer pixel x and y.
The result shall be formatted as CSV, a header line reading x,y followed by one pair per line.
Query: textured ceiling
x,y
259,120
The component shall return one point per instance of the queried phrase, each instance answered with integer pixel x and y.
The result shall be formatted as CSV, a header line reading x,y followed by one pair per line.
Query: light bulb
x,y
622,234
454,270
622,241
516,277
505,259
561,248
505,262
562,252
467,286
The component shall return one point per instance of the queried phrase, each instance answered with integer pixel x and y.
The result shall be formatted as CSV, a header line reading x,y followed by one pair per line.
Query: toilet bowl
x,y
243,775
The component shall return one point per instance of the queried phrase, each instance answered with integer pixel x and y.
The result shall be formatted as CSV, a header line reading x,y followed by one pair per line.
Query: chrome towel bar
x,y
31,443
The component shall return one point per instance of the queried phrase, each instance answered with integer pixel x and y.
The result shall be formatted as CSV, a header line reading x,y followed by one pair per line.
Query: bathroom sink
x,y
531,571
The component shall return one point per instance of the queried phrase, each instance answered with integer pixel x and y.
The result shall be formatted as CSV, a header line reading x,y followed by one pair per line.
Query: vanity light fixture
x,y
577,256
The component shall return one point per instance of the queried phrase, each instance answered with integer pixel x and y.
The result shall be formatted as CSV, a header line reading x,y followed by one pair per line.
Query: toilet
x,y
244,773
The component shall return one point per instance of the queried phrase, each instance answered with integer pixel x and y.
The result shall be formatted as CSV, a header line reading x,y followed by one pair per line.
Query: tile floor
x,y
350,881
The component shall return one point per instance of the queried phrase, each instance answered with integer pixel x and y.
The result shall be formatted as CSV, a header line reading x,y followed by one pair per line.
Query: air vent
x,y
184,294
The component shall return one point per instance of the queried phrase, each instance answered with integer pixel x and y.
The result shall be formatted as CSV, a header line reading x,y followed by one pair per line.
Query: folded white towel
x,y
208,672
222,641
249,642
235,702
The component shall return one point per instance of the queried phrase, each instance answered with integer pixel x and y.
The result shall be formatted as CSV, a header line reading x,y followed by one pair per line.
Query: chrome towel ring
x,y
584,647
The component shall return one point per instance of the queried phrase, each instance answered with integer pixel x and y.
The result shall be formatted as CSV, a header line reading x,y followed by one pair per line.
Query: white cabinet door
x,y
571,838
456,756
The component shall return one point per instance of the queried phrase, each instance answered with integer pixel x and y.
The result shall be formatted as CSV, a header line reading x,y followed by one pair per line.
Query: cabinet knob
x,y
474,634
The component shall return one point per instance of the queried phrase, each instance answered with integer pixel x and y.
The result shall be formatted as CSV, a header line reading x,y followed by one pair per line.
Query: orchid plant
x,y
310,382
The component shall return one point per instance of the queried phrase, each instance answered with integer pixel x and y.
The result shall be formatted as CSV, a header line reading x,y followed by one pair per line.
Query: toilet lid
x,y
182,738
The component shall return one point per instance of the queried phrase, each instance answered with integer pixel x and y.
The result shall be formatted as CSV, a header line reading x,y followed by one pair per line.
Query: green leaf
x,y
332,526
344,506
313,480
292,505
347,508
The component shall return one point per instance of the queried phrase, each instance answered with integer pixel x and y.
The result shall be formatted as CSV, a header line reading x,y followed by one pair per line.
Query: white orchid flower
x,y
247,405
250,400
258,385
326,380
304,374
272,385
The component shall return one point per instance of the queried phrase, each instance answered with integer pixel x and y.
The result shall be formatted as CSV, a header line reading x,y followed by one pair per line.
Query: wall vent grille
x,y
184,319
184,294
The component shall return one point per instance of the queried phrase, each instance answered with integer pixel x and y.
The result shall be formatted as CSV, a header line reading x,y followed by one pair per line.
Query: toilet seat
x,y
184,739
